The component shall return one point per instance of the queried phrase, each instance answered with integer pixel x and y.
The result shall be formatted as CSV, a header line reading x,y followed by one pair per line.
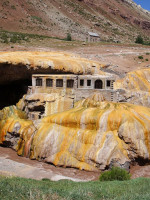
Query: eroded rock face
x,y
16,69
15,129
93,135
21,65
135,87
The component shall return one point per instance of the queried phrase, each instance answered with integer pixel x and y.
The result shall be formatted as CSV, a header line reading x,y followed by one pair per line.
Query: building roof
x,y
93,34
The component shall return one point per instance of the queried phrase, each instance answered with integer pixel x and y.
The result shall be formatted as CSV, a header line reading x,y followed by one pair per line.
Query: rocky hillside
x,y
114,20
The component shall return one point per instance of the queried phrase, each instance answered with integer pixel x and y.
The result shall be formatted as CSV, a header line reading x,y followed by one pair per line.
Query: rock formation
x,y
135,87
16,69
94,135
21,65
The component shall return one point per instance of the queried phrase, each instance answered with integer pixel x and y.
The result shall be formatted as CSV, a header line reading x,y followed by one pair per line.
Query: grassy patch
x,y
36,18
17,37
20,188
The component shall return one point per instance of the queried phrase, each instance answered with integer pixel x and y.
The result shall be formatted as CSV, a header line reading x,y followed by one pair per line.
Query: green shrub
x,y
140,57
147,53
146,59
115,173
139,40
68,38
39,19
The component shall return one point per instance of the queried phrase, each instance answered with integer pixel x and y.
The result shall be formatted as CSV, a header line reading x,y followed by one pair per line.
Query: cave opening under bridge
x,y
11,93
15,79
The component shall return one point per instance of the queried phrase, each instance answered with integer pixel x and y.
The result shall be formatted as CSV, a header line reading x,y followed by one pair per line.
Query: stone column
x,y
44,82
54,83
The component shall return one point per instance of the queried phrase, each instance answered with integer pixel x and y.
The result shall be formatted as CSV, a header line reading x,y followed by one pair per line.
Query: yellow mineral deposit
x,y
55,60
135,81
15,129
91,136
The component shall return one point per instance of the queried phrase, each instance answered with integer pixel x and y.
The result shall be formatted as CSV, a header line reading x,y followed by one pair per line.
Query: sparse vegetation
x,y
146,59
140,57
35,18
28,189
115,173
68,38
139,40
13,7
16,37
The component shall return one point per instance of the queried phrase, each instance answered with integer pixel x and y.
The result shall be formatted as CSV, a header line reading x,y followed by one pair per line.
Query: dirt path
x,y
13,165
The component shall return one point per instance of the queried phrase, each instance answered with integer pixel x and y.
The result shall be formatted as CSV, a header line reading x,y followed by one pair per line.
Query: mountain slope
x,y
119,20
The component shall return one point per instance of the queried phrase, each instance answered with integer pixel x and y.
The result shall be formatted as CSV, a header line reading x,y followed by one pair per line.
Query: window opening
x,y
49,82
108,83
70,83
88,82
59,83
38,82
81,82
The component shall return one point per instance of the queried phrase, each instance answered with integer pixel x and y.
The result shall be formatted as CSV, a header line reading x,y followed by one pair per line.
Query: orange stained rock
x,y
56,60
91,136
136,80
13,121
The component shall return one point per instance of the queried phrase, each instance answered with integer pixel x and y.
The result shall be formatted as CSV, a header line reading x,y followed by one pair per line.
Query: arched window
x,y
98,84
70,83
59,83
49,82
38,82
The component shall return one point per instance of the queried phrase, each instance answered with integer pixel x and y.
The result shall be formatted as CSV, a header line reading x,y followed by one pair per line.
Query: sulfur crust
x,y
55,60
90,136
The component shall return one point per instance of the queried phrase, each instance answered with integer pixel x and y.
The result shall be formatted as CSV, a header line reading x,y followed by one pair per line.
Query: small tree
x,y
69,38
139,40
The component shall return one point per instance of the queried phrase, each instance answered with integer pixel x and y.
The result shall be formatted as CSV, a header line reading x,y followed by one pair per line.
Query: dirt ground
x,y
13,165
121,58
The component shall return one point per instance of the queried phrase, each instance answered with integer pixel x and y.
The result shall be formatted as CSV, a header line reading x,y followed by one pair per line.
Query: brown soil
x,y
140,171
121,58
13,165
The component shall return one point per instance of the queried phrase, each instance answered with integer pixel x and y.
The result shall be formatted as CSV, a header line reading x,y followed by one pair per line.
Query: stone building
x,y
60,92
93,37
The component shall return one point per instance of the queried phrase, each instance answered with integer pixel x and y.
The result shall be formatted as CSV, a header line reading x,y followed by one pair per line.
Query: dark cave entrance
x,y
13,92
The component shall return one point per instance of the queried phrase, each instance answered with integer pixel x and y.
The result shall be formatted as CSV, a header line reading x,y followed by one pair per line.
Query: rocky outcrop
x,y
15,129
135,87
16,69
93,135
21,65
39,105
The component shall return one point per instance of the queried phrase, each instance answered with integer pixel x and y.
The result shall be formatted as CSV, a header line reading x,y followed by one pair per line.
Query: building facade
x,y
57,93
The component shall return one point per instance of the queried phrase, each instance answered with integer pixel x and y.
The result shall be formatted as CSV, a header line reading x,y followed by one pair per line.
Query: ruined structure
x,y
93,37
72,87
